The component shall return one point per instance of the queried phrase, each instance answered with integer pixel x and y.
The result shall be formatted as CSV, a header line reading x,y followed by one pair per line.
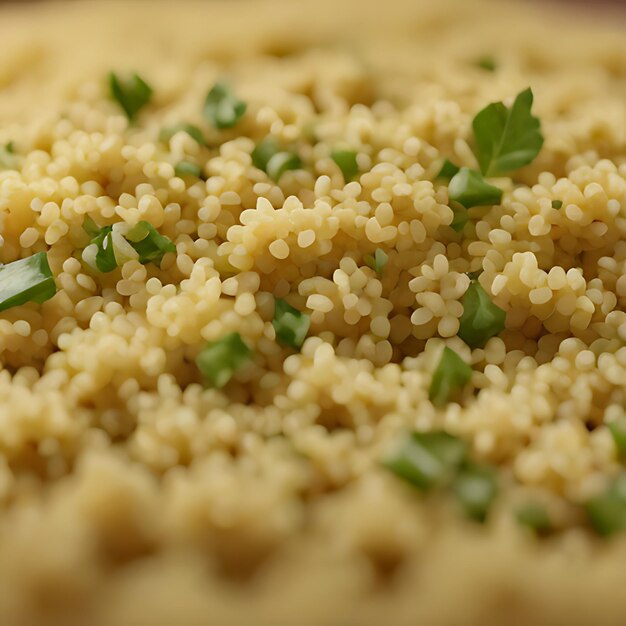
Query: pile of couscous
x,y
311,315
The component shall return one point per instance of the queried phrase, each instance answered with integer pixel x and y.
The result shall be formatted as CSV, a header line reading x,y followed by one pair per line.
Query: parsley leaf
x,y
346,160
131,94
219,360
451,375
507,139
222,108
469,189
481,318
26,280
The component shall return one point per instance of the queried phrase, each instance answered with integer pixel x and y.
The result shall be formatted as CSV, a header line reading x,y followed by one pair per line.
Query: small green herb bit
x,y
451,375
26,280
487,63
377,261
448,170
607,511
291,325
269,157
507,139
8,160
222,108
187,168
193,131
618,431
557,204
476,487
149,243
481,318
90,227
470,189
131,94
346,160
427,459
105,257
459,216
264,151
220,359
535,516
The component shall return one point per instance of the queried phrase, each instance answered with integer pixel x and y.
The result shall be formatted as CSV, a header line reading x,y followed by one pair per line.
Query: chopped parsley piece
x,y
291,325
535,516
506,139
8,160
26,280
269,157
476,487
346,160
193,131
149,244
557,204
448,170
222,108
618,431
131,94
377,261
105,257
459,216
469,189
607,511
187,168
487,63
220,359
90,227
426,460
451,375
481,318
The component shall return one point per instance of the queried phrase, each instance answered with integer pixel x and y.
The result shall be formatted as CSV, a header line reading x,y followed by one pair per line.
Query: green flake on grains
x,y
346,160
269,157
481,318
476,487
618,432
426,460
26,280
90,227
469,189
264,151
105,257
487,63
607,511
507,139
448,170
193,131
377,261
291,325
222,108
459,216
219,360
131,94
557,204
187,168
535,516
149,243
8,159
451,375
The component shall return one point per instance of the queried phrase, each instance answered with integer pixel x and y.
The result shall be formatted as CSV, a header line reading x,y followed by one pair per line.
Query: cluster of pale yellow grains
x,y
131,493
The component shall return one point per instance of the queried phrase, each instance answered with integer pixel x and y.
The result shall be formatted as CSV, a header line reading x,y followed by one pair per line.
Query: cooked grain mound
x,y
134,494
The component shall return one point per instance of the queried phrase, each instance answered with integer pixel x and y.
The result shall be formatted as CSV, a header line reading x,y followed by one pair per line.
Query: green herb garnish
x,y
607,511
149,244
346,160
222,108
377,261
469,189
476,487
427,460
131,94
264,151
487,63
481,318
535,516
105,257
220,359
187,168
291,325
193,131
26,280
448,170
269,157
618,431
557,204
451,375
90,227
507,139
459,216
8,160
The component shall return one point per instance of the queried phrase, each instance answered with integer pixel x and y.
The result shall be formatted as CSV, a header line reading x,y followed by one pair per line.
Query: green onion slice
x,y
476,487
535,516
193,131
607,511
131,94
487,63
291,325
377,261
187,168
149,243
222,108
26,280
282,162
557,204
219,360
451,375
481,318
426,460
105,257
346,160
